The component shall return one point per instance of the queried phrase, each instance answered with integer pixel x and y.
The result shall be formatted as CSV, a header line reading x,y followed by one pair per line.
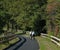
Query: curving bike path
x,y
27,44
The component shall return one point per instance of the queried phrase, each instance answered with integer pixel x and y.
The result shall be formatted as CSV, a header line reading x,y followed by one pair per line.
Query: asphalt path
x,y
29,45
25,44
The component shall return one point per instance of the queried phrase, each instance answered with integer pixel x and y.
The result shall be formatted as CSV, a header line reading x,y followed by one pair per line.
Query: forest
x,y
38,15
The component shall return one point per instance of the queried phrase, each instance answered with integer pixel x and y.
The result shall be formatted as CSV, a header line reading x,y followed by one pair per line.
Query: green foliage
x,y
53,17
21,13
26,14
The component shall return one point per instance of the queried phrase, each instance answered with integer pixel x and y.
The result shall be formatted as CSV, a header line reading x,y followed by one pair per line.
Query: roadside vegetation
x,y
46,44
42,16
5,45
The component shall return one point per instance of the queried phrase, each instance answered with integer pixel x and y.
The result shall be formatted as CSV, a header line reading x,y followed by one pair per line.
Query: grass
x,y
2,46
19,32
46,44
58,35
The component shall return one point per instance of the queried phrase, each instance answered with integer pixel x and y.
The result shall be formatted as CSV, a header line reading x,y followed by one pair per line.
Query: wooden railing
x,y
7,38
53,39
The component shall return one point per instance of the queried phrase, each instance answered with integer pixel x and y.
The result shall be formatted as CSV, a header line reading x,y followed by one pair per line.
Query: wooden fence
x,y
53,39
7,38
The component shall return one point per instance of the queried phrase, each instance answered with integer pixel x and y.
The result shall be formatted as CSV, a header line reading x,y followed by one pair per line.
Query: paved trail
x,y
27,45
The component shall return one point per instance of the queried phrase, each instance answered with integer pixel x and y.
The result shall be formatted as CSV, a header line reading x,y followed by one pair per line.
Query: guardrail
x,y
7,38
53,39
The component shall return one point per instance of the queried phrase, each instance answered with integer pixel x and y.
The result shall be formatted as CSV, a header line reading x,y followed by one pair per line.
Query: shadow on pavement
x,y
16,43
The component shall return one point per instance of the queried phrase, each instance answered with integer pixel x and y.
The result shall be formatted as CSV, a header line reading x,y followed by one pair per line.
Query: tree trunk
x,y
12,28
16,28
8,26
56,30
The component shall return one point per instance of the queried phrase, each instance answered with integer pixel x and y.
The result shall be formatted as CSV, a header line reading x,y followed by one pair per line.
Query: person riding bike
x,y
32,34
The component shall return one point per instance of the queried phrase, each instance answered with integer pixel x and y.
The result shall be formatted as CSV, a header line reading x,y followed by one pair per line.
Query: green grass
x,y
2,46
50,0
41,45
19,32
14,40
46,44
58,35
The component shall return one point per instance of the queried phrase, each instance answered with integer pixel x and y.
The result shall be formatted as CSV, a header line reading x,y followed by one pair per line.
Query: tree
x,y
53,17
